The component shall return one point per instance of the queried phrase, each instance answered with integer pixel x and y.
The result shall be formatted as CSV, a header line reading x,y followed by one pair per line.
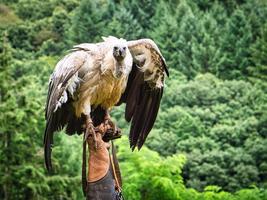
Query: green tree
x,y
90,20
235,43
142,11
34,9
5,150
259,58
123,25
208,117
162,175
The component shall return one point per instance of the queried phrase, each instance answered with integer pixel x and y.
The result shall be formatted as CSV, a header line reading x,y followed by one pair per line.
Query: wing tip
x,y
137,145
140,145
48,145
167,71
165,67
47,155
132,148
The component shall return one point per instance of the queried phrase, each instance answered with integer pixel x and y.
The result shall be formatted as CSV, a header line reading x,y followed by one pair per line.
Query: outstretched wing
x,y
62,85
144,89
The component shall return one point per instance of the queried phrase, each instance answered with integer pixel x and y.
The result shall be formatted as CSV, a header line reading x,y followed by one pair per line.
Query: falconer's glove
x,y
103,181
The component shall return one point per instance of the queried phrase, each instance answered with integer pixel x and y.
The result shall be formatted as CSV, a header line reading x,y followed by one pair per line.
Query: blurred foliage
x,y
7,17
209,141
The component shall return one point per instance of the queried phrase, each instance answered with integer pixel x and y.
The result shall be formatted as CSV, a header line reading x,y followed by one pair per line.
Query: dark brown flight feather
x,y
142,97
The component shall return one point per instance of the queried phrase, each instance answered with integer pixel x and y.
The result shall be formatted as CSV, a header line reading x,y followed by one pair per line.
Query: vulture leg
x,y
109,123
90,133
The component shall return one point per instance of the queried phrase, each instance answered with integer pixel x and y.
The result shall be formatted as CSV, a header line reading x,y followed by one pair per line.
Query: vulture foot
x,y
90,133
110,130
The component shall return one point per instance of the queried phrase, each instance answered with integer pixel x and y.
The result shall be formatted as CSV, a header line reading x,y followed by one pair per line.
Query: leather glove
x,y
98,159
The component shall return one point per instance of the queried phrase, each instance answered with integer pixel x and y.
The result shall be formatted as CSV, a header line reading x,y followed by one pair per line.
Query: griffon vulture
x,y
93,78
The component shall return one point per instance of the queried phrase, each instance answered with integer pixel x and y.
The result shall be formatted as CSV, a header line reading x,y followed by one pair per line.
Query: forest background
x,y
209,141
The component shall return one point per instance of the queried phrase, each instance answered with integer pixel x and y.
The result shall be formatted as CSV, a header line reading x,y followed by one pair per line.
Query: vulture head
x,y
119,52
121,56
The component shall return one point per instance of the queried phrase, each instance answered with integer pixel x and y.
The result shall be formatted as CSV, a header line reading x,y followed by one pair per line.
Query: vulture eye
x,y
124,48
115,48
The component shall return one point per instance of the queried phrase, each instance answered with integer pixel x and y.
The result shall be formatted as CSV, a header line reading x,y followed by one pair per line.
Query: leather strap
x,y
115,168
84,175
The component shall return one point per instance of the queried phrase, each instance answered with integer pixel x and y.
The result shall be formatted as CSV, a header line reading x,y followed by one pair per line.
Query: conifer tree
x,y
258,72
5,134
143,11
205,52
90,20
235,42
123,25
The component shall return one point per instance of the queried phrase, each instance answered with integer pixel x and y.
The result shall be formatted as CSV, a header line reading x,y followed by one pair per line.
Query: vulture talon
x,y
109,124
90,133
111,130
